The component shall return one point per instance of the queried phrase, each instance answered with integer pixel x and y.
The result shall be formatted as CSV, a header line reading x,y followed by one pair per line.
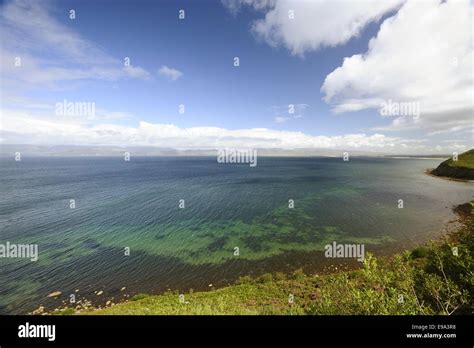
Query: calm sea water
x,y
134,206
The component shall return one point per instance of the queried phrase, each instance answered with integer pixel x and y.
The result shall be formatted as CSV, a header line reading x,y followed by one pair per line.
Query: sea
x,y
153,224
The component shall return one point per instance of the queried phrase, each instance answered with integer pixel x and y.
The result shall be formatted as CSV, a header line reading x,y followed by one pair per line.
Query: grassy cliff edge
x,y
463,168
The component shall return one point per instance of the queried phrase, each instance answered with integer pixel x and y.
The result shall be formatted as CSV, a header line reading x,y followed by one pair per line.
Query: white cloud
x,y
423,54
51,51
292,111
136,72
21,128
170,73
234,6
102,114
316,24
281,119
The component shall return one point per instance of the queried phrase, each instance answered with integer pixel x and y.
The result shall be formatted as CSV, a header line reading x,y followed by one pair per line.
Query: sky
x,y
392,76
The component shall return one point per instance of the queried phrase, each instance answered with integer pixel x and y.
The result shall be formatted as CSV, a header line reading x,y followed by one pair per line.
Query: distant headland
x,y
460,168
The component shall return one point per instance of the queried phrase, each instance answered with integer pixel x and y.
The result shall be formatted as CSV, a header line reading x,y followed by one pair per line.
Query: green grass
x,y
465,160
428,280
265,298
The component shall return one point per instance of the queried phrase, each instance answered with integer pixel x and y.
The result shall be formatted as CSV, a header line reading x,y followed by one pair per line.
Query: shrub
x,y
138,297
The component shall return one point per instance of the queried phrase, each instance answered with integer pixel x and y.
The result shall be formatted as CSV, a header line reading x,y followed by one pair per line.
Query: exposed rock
x,y
55,294
39,310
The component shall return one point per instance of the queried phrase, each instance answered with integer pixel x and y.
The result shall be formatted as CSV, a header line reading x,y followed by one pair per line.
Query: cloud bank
x,y
21,128
422,54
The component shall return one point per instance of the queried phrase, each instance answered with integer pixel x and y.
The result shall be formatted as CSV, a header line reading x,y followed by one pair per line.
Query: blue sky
x,y
203,46
335,81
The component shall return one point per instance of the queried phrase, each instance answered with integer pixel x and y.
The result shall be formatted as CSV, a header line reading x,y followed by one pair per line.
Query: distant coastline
x,y
8,150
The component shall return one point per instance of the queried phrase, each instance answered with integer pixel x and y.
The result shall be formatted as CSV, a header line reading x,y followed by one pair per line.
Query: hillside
x,y
463,168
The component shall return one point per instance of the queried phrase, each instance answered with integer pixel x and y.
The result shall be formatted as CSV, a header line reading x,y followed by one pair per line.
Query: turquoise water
x,y
135,205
